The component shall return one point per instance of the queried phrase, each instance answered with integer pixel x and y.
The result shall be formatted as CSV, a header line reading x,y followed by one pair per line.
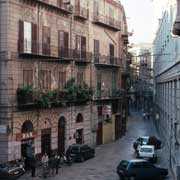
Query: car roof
x,y
78,145
147,146
137,160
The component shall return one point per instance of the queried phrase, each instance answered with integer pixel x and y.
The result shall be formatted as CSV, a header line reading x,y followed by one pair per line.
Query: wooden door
x,y
61,136
46,141
99,135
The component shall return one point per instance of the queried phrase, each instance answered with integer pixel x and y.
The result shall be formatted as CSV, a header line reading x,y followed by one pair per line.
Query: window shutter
x,y
46,41
96,51
34,39
21,36
61,43
83,47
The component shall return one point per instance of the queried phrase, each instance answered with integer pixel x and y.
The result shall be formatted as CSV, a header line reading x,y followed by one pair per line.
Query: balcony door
x,y
111,53
63,41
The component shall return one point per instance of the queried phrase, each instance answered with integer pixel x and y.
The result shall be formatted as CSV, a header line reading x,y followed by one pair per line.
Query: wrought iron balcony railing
x,y
103,60
66,8
82,13
107,22
46,50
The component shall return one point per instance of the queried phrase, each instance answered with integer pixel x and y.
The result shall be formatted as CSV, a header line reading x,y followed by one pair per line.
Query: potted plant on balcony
x,y
25,94
47,98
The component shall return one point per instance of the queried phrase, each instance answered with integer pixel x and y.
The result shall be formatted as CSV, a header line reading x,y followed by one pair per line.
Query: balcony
x,y
107,61
107,22
81,13
107,94
30,49
30,98
65,8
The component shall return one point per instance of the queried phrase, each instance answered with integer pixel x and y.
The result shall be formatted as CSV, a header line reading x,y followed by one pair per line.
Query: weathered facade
x,y
60,74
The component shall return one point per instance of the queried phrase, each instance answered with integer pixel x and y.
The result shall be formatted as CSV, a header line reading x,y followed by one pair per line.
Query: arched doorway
x,y
27,148
61,135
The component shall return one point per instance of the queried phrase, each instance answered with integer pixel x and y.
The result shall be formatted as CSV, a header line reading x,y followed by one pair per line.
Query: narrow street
x,y
103,166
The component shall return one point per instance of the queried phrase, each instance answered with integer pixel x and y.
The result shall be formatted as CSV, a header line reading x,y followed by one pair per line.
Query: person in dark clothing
x,y
57,163
33,165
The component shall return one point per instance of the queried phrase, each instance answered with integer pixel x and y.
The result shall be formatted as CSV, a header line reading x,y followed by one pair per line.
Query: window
x,y
62,79
63,43
46,40
79,118
45,79
96,51
28,77
27,37
80,77
80,46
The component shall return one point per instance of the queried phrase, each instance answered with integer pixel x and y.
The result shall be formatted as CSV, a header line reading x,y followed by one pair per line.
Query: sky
x,y
142,17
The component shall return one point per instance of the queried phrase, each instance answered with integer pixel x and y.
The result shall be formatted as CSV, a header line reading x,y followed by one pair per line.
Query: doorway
x,y
46,141
99,135
61,135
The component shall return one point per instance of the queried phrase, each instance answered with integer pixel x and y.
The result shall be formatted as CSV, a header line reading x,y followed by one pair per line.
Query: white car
x,y
147,152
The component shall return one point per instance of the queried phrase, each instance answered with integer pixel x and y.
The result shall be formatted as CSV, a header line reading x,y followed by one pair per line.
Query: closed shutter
x,y
111,49
78,47
21,37
83,47
61,43
62,79
66,44
34,39
28,77
96,51
46,41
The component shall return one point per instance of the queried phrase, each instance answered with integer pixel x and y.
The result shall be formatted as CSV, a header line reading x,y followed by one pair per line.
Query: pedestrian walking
x,y
44,161
32,164
52,165
144,115
57,163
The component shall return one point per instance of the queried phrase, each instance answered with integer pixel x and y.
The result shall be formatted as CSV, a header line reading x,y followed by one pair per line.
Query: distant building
x,y
61,64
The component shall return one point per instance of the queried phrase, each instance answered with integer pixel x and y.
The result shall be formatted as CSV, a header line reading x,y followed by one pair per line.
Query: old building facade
x,y
61,64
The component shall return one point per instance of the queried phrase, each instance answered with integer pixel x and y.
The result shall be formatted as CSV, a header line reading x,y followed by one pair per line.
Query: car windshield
x,y
124,164
147,150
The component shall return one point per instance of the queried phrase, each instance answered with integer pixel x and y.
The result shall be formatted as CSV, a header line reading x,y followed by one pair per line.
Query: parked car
x,y
139,169
81,152
147,140
11,171
147,152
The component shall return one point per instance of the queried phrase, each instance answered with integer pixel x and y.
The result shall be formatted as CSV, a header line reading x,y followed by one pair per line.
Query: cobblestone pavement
x,y
103,166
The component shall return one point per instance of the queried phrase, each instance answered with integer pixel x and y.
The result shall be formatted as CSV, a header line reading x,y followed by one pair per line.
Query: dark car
x,y
147,140
81,152
139,169
11,171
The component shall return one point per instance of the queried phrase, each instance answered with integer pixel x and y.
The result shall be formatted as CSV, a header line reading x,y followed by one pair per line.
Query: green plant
x,y
77,91
25,94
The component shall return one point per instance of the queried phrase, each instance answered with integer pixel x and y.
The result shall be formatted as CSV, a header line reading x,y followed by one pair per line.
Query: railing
x,y
58,5
107,60
81,12
45,49
107,21
108,93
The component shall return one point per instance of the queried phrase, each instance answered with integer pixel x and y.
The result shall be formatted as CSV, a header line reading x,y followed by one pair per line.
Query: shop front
x,y
27,137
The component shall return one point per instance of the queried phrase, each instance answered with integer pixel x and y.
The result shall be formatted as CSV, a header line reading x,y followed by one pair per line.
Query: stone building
x,y
167,86
60,74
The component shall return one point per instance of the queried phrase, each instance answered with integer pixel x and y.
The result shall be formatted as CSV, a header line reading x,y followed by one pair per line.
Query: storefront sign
x,y
107,111
24,136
